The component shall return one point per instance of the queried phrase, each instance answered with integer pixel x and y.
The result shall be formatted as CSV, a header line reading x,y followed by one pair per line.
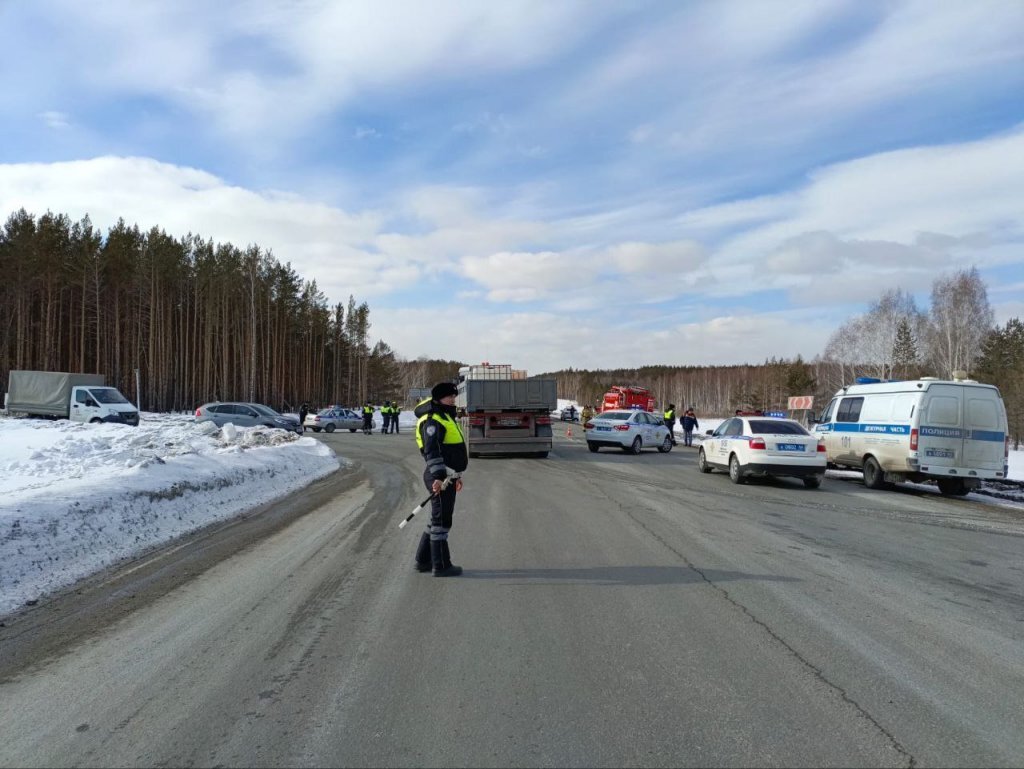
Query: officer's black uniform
x,y
443,446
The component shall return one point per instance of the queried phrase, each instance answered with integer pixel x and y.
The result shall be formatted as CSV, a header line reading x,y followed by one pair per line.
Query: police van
x,y
953,432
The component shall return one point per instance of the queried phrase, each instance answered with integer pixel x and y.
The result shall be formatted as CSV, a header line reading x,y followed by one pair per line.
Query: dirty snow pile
x,y
75,498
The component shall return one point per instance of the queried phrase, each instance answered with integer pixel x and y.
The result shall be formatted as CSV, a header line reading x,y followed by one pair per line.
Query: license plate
x,y
508,422
941,453
790,446
602,428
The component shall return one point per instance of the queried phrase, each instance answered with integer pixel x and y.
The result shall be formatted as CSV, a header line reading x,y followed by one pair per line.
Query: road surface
x,y
615,611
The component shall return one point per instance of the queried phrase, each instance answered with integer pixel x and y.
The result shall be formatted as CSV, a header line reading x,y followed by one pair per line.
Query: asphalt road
x,y
615,611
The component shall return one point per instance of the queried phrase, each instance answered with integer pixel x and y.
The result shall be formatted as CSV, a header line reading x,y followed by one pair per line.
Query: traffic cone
x,y
568,432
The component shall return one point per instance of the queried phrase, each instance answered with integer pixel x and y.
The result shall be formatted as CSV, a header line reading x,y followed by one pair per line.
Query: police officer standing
x,y
395,411
368,418
670,421
444,449
385,416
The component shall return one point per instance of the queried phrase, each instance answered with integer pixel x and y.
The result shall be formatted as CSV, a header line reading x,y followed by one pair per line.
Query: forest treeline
x,y
201,321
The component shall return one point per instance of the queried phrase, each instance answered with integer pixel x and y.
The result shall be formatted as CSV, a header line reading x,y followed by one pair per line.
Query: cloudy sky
x,y
548,184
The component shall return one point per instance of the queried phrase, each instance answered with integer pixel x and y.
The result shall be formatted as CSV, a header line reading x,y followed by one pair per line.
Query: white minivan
x,y
953,432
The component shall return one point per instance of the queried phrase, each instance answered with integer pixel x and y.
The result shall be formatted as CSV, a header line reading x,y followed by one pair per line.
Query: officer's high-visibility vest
x,y
670,416
452,433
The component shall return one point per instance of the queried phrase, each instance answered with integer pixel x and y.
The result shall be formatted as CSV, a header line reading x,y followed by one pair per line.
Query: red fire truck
x,y
620,397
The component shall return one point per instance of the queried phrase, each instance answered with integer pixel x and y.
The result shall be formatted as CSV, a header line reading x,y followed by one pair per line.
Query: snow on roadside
x,y
76,498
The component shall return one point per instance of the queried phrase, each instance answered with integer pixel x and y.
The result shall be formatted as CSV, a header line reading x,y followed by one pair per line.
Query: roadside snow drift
x,y
75,498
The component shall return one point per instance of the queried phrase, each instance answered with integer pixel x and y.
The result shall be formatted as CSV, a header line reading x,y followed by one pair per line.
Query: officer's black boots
x,y
423,561
442,560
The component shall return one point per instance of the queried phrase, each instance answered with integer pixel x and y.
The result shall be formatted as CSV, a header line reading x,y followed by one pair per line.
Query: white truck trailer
x,y
505,412
61,395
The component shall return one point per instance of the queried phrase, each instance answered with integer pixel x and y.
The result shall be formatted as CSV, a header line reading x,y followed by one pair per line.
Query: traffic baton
x,y
421,505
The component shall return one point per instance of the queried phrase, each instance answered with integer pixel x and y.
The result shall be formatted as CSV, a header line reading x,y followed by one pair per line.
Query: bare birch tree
x,y
959,321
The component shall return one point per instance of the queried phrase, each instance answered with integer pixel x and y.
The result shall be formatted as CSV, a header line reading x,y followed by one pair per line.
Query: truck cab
x,y
101,404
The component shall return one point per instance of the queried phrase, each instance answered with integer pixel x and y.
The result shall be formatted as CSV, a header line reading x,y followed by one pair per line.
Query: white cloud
x,y
547,341
904,215
55,119
318,240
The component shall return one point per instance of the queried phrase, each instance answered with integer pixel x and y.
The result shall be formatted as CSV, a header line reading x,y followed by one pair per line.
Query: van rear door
x,y
941,431
984,429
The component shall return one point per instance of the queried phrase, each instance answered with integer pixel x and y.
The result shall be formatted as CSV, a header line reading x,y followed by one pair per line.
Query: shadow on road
x,y
621,575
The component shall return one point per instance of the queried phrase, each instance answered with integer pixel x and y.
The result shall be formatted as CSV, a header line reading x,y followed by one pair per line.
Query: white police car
x,y
630,431
763,446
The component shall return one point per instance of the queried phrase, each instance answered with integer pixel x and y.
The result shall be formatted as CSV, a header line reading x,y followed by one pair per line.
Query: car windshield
x,y
325,412
771,427
107,395
264,410
616,416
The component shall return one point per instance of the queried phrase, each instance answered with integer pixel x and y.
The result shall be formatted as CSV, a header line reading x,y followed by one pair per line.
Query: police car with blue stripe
x,y
951,432
763,445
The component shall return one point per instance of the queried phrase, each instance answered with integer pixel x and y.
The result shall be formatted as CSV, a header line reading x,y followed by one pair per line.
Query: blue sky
x,y
591,184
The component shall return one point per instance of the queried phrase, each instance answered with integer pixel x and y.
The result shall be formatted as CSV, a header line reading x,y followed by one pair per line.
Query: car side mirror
x,y
709,432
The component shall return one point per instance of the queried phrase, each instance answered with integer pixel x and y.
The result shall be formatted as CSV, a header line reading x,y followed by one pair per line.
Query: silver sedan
x,y
243,414
334,418
631,431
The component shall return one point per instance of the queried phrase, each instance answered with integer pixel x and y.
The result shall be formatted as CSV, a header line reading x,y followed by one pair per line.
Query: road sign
x,y
797,402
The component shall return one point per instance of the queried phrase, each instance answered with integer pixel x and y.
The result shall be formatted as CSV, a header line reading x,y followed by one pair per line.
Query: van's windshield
x,y
107,395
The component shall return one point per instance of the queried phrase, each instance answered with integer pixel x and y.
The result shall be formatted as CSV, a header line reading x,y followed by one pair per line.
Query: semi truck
x,y
62,395
504,411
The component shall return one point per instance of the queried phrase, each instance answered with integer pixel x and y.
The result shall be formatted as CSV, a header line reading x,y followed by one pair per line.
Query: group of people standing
x,y
688,421
389,417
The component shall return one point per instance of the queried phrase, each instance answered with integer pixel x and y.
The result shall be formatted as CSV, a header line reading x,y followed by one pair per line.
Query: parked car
x,y
569,414
334,418
763,446
245,415
630,431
